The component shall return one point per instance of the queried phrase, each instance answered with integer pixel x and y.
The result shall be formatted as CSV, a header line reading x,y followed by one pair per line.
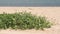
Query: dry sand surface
x,y
52,13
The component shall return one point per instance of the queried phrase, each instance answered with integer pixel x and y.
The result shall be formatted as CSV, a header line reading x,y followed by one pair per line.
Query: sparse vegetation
x,y
23,20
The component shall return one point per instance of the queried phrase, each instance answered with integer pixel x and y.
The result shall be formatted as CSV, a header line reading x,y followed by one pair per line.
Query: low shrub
x,y
23,20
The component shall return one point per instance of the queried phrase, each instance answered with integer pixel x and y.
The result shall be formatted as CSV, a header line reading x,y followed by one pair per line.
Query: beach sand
x,y
52,13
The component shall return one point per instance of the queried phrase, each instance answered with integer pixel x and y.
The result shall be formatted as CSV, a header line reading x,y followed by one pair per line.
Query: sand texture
x,y
52,13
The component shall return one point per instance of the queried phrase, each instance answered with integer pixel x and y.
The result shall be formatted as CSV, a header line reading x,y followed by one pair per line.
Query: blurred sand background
x,y
52,13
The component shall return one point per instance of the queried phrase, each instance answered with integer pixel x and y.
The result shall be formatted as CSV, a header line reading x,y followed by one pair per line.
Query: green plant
x,y
23,20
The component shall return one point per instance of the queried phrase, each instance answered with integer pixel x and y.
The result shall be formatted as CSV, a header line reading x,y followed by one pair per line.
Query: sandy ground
x,y
52,13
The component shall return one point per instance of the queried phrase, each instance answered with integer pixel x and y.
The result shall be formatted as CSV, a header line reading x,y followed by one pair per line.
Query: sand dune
x,y
52,13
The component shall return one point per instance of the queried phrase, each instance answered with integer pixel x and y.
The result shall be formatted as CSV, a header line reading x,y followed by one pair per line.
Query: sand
x,y
52,13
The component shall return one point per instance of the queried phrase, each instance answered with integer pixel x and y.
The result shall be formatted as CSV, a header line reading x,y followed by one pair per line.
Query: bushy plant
x,y
23,20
